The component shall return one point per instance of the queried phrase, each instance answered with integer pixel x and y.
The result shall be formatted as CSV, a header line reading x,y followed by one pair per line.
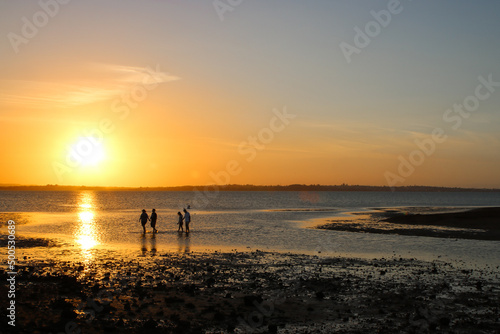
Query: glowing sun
x,y
88,151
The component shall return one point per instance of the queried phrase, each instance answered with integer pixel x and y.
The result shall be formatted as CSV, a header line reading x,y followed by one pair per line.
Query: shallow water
x,y
271,221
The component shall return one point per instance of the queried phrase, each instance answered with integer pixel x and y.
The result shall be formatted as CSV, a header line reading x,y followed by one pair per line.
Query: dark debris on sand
x,y
253,292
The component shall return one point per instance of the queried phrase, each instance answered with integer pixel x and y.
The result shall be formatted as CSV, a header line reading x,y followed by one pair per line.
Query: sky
x,y
169,93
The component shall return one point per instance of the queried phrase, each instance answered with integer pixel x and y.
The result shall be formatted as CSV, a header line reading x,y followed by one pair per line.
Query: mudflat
x,y
478,223
248,292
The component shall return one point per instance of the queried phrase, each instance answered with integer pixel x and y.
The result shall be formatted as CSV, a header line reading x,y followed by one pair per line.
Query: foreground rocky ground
x,y
248,292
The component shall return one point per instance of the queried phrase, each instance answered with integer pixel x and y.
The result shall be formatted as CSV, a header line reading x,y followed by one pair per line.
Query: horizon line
x,y
295,186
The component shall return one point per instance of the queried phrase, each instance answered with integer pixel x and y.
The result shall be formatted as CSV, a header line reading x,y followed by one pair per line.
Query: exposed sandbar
x,y
479,223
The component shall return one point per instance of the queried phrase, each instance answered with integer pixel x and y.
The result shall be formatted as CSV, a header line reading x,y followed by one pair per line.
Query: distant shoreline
x,y
236,187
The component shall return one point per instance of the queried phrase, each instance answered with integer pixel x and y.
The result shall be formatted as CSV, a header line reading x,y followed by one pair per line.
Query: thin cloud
x,y
133,74
105,83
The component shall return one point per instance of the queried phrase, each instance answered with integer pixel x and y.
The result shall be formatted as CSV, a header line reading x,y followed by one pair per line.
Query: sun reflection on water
x,y
87,233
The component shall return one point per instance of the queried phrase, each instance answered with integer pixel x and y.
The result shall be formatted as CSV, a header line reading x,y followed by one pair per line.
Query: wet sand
x,y
247,292
478,224
63,288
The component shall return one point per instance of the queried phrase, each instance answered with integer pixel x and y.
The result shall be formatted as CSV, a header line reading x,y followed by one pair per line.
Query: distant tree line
x,y
250,187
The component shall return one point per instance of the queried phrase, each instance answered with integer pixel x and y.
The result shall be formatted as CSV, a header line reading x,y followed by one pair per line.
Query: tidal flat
x,y
247,292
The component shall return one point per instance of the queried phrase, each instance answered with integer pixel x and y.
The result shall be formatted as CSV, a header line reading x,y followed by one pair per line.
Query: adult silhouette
x,y
143,219
180,229
187,219
153,219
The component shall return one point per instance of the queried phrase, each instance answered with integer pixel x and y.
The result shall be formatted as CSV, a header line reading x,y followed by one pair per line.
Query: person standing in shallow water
x,y
187,219
153,219
143,219
180,222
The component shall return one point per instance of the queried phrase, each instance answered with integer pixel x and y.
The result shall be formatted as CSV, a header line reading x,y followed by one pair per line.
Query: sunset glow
x,y
157,93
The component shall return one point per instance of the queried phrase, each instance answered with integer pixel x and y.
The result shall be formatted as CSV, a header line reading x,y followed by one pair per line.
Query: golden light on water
x,y
86,216
87,234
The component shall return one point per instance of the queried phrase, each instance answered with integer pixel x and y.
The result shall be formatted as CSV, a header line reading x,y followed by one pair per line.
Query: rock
x,y
68,314
272,328
219,317
444,322
250,299
150,324
210,281
320,295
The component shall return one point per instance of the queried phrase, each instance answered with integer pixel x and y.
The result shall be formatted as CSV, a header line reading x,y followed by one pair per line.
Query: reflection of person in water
x,y
144,246
144,219
153,219
153,244
183,243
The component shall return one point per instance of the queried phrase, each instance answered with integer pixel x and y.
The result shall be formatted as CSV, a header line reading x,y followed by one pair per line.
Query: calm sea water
x,y
277,221
70,201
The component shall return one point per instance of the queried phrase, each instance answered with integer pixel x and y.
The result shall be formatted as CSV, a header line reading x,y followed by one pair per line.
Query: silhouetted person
x,y
187,219
144,219
180,222
153,218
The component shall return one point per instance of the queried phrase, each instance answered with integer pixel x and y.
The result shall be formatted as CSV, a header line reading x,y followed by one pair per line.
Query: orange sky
x,y
163,94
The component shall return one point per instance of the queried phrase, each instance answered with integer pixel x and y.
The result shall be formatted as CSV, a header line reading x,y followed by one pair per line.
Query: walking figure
x,y
153,219
144,219
187,219
180,222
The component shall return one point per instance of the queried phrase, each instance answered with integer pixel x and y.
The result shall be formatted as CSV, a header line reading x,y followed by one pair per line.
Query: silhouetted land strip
x,y
479,224
249,187
481,218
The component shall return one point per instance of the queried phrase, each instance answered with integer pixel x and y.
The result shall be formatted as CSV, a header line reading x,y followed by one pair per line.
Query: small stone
x,y
320,295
